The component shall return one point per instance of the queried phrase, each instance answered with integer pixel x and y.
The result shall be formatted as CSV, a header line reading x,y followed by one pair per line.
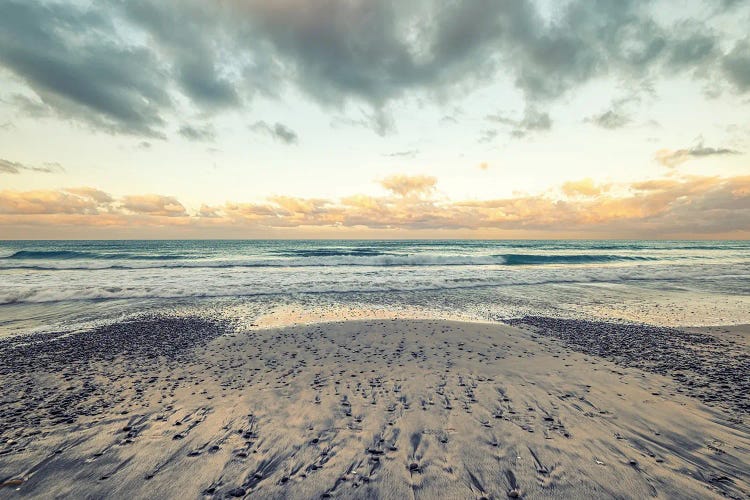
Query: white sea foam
x,y
479,274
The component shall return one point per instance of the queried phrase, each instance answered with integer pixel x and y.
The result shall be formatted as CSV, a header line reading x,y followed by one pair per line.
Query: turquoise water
x,y
56,283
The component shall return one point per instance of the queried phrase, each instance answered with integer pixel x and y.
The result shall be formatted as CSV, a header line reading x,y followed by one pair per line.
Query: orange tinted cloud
x,y
405,185
88,192
154,204
698,206
46,202
584,187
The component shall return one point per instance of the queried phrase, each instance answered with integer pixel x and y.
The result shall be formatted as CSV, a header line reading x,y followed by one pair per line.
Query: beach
x,y
374,369
175,406
371,249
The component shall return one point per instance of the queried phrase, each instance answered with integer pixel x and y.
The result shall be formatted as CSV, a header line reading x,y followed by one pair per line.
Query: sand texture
x,y
192,408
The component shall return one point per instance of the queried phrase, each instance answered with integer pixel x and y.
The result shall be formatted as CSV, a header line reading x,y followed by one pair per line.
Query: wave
x,y
49,254
236,290
77,255
333,252
325,260
519,259
69,255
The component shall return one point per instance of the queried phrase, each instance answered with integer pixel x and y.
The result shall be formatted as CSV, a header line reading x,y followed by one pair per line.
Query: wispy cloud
x,y
532,121
673,158
197,133
13,167
405,185
584,187
409,153
610,119
277,131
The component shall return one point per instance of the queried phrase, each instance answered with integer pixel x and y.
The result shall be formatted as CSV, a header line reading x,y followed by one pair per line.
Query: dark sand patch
x,y
712,367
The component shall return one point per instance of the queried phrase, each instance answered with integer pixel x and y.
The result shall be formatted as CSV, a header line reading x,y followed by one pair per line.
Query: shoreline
x,y
426,408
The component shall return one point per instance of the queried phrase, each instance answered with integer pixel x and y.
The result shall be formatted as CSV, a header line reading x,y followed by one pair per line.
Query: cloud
x,y
154,204
693,46
672,158
87,201
70,58
122,66
192,133
689,206
209,212
46,202
289,205
737,65
377,51
29,107
610,119
410,153
584,187
12,167
533,120
646,209
92,193
405,185
278,132
187,34
488,135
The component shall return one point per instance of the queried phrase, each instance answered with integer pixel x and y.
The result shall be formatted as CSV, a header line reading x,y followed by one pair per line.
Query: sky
x,y
374,119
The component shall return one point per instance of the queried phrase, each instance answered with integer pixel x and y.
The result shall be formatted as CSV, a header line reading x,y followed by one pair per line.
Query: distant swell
x,y
39,254
67,255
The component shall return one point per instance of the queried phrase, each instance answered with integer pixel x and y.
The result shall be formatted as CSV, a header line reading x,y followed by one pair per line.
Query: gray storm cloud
x,y
122,66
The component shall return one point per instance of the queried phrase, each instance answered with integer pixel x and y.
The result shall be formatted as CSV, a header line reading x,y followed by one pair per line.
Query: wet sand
x,y
173,407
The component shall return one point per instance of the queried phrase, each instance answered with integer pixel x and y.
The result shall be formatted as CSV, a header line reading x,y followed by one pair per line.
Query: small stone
x,y
236,492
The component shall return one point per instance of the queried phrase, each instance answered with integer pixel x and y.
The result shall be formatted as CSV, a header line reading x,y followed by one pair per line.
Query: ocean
x,y
60,285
